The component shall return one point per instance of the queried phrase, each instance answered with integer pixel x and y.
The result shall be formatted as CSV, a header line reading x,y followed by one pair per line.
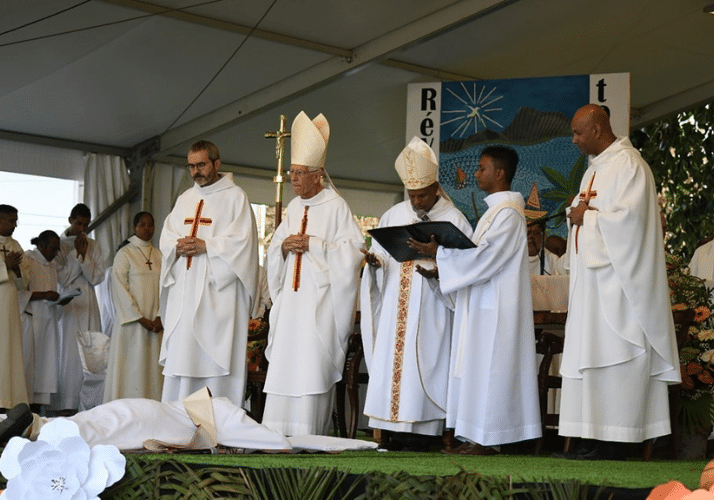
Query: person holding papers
x,y
406,328
493,391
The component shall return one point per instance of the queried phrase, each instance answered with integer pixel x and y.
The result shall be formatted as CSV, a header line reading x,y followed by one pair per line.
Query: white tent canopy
x,y
106,75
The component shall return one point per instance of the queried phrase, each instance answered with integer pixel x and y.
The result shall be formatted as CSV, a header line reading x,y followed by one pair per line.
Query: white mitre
x,y
308,140
417,165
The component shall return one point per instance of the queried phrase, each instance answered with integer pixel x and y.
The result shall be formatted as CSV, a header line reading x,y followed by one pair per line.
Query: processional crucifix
x,y
279,179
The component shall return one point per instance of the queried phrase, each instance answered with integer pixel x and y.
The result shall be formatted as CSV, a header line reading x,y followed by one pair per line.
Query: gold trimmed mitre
x,y
417,165
308,140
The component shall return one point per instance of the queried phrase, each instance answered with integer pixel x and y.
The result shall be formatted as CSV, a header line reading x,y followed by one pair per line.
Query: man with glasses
x,y
313,275
12,378
209,276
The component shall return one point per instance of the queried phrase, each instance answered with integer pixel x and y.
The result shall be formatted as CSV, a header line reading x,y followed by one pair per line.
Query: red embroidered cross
x,y
196,221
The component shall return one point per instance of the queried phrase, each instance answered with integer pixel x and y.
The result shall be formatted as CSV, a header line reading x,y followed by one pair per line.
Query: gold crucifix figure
x,y
279,179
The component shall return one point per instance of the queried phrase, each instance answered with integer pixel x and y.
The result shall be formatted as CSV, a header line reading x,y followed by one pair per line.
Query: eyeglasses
x,y
197,166
297,174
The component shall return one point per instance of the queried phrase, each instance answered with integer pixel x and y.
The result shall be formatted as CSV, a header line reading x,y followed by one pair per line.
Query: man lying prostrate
x,y
199,422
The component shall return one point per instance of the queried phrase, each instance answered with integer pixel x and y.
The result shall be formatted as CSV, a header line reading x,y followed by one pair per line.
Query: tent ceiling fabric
x,y
118,72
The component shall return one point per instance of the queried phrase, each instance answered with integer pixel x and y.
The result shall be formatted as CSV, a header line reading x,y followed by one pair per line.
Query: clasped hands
x,y
12,261
296,243
81,244
577,213
190,246
153,326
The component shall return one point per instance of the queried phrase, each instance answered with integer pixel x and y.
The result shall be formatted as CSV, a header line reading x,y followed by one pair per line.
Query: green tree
x,y
680,151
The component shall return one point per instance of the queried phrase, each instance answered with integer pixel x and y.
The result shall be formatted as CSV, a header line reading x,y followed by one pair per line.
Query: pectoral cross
x,y
196,221
585,196
298,257
279,136
5,251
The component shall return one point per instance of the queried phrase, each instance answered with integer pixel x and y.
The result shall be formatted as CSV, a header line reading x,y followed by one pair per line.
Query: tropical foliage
x,y
680,151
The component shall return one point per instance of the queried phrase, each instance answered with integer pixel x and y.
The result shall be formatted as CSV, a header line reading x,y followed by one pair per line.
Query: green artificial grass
x,y
522,468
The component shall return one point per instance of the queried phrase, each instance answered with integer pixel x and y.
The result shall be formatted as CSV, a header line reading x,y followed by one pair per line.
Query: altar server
x,y
493,391
13,389
80,265
136,337
40,318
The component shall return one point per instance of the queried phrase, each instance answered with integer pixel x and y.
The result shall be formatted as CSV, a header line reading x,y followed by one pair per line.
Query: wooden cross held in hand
x,y
586,197
279,179
195,221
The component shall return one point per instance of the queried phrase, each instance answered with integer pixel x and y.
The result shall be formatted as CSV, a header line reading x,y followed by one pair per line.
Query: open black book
x,y
394,238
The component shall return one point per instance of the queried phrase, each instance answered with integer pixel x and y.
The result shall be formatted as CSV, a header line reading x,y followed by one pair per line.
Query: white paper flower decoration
x,y
60,464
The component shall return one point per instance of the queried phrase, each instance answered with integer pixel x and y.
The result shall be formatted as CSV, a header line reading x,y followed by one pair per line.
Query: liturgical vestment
x,y
135,294
80,315
493,389
620,349
206,300
309,328
40,328
406,332
13,389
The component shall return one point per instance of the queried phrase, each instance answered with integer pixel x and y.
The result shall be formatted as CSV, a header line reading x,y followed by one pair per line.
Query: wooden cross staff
x,y
279,179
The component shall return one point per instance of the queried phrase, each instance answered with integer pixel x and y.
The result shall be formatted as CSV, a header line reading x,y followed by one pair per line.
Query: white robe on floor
x,y
407,359
493,388
127,423
80,315
40,328
620,349
13,389
205,309
309,328
135,293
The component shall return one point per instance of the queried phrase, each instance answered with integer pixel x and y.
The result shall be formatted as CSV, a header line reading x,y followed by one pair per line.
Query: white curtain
x,y
105,180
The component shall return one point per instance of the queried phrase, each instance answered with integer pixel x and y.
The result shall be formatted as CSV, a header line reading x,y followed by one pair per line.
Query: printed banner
x,y
459,119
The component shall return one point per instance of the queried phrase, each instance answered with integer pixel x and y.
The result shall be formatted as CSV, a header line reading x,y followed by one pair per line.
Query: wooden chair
x,y
682,321
351,379
547,344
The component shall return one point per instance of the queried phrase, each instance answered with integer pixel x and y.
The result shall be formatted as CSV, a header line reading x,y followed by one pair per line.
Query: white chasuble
x,y
493,390
309,327
13,388
80,315
619,311
206,300
135,294
406,332
40,328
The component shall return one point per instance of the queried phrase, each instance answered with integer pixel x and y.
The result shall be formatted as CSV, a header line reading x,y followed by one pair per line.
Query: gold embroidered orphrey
x,y
196,221
405,287
298,257
585,196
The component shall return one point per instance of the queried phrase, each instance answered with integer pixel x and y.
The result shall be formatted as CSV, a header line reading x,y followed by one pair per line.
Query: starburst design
x,y
58,484
475,110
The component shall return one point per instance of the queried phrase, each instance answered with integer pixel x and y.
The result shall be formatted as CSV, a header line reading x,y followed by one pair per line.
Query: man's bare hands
x,y
577,213
296,243
429,249
12,261
370,258
428,273
81,244
188,246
